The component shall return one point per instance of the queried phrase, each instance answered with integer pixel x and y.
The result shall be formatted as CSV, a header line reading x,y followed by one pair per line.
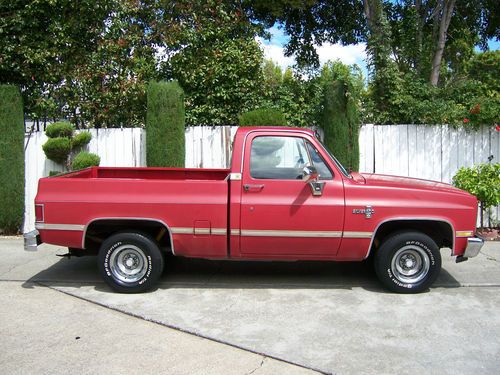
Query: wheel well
x,y
441,232
98,230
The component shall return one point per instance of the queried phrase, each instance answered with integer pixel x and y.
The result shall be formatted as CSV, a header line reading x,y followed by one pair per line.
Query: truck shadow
x,y
223,274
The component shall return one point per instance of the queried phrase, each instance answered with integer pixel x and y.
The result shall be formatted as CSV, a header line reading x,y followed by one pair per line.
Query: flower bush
x,y
482,181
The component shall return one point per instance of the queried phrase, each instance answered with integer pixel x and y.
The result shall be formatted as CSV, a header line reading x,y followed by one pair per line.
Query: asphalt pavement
x,y
213,317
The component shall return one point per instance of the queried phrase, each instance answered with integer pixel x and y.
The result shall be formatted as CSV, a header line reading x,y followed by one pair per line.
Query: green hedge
x,y
11,159
263,117
340,122
165,120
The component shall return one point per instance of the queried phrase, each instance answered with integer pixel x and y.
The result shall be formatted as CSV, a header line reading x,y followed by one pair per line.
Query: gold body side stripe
x,y
70,227
358,234
199,231
464,233
182,230
219,231
289,233
244,232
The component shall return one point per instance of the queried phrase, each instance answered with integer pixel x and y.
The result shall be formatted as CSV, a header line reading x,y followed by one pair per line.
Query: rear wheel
x,y
130,262
408,262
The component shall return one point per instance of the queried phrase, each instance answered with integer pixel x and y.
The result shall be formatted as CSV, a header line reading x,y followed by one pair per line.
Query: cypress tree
x,y
340,122
11,159
165,119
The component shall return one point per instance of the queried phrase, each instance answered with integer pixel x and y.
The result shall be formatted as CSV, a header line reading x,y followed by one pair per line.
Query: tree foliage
x,y
220,66
471,100
298,97
405,40
90,61
310,23
108,89
386,80
41,42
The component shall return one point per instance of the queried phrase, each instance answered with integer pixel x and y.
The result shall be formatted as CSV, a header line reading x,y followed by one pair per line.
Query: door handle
x,y
256,188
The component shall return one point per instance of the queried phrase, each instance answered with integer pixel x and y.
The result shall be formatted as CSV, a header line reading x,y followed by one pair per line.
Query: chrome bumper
x,y
474,245
32,240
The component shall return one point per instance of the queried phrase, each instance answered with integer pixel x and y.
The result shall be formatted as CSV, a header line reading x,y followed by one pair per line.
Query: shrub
x,y
482,181
165,120
85,160
59,129
61,145
81,139
57,149
486,111
11,159
263,117
340,122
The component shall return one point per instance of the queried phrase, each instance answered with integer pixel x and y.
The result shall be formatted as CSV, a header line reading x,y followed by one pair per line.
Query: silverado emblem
x,y
368,211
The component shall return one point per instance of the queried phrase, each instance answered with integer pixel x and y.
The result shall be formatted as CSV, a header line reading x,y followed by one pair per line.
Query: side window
x,y
324,172
281,158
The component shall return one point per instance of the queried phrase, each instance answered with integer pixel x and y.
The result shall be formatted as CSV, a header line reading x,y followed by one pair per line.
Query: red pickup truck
x,y
284,198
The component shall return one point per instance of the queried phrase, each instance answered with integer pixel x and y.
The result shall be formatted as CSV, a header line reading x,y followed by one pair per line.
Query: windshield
x,y
334,159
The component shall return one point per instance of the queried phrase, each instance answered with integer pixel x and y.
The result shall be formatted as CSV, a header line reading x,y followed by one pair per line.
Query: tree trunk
x,y
368,12
447,7
371,10
419,33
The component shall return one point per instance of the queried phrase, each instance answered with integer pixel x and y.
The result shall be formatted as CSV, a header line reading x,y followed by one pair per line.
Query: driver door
x,y
280,217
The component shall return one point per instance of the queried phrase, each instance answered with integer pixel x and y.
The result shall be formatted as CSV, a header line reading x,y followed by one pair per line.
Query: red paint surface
x,y
188,198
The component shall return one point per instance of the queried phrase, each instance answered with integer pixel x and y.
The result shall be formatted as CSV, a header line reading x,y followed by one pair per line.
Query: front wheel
x,y
408,262
130,262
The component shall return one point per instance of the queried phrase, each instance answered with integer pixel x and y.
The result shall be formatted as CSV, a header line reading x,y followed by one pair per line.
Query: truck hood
x,y
381,180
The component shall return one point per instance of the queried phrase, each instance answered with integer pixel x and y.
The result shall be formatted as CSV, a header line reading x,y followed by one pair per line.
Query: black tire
x,y
130,262
408,262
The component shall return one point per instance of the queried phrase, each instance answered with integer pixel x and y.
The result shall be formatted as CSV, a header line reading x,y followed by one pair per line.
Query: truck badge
x,y
368,211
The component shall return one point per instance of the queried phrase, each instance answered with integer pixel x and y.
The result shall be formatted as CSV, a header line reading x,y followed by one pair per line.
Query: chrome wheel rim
x,y
410,264
128,263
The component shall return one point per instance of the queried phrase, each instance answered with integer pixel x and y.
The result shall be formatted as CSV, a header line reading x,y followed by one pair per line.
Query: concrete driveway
x,y
334,318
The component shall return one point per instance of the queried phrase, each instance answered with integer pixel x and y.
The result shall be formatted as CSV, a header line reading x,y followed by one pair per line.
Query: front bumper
x,y
474,245
32,240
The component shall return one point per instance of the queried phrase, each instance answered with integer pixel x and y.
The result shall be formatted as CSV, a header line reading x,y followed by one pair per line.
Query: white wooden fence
x,y
430,152
116,147
209,147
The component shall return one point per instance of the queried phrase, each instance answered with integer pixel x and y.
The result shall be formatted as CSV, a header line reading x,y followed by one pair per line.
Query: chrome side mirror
x,y
309,173
310,176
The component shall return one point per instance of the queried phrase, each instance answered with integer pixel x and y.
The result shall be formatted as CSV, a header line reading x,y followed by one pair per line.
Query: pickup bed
x,y
284,198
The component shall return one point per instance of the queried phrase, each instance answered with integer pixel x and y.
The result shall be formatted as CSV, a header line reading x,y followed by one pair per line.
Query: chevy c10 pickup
x,y
284,198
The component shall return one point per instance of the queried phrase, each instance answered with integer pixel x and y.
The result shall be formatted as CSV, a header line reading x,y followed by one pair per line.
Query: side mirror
x,y
310,176
309,173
